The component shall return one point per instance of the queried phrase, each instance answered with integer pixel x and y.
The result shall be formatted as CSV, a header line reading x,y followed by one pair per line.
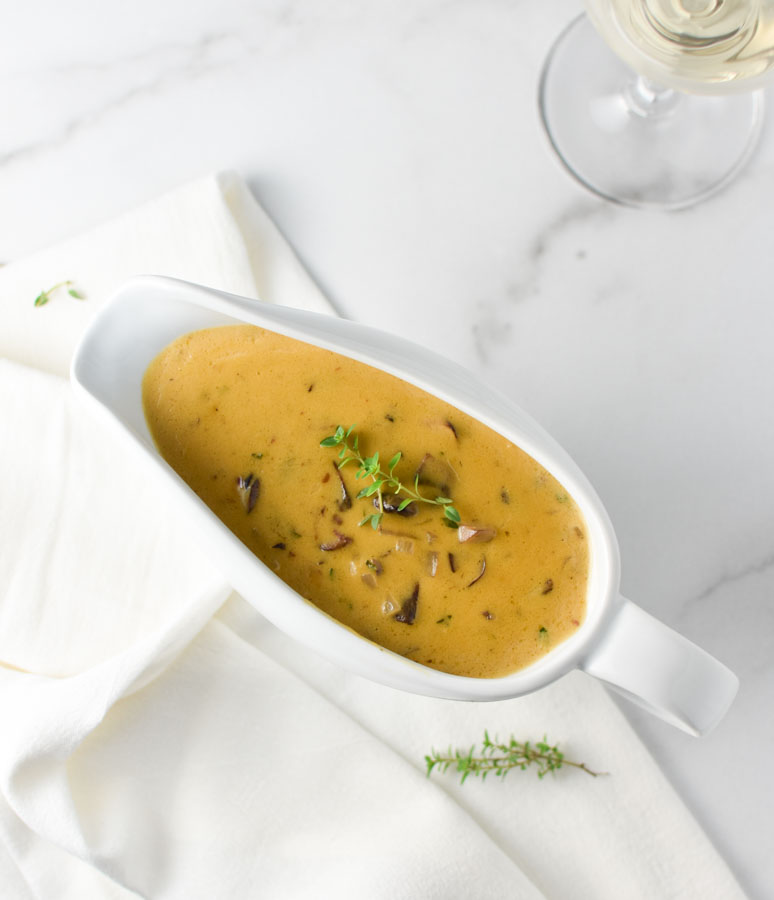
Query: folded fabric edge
x,y
210,231
291,284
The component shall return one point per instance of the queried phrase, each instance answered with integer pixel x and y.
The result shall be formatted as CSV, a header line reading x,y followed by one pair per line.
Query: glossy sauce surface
x,y
240,412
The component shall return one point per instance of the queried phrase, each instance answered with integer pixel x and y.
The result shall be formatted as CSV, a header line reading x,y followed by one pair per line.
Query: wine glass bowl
x,y
653,103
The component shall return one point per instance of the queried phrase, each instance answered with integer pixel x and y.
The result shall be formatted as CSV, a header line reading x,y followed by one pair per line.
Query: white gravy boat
x,y
618,642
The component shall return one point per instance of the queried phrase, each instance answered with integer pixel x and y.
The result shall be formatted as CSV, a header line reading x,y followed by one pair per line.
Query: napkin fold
x,y
212,233
161,740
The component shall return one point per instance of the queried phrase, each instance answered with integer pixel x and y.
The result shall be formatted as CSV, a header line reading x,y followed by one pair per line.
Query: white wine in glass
x,y
656,104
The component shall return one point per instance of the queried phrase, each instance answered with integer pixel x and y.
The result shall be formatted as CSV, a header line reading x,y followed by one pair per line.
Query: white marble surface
x,y
398,147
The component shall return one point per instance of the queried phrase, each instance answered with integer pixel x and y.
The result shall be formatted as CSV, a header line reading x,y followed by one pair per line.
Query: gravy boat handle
x,y
661,671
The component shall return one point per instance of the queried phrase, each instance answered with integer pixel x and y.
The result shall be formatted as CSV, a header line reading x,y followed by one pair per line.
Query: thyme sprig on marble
x,y
44,296
500,758
382,482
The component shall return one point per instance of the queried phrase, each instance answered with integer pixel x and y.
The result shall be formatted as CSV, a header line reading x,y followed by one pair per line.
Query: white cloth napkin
x,y
161,740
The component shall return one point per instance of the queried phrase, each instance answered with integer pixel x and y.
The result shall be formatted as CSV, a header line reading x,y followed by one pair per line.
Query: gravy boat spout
x,y
617,642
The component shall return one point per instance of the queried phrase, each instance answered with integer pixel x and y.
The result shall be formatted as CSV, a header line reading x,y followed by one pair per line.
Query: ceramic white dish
x,y
618,642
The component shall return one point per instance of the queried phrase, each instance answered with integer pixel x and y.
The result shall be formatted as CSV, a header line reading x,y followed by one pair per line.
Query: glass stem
x,y
647,99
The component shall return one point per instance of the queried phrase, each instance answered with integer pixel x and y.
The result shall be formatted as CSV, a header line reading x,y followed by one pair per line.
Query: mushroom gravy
x,y
239,413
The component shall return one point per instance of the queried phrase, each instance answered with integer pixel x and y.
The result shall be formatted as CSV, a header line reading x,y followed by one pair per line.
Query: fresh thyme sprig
x,y
498,758
382,482
44,296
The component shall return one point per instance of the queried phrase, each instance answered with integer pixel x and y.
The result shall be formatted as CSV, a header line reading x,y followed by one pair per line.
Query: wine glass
x,y
655,103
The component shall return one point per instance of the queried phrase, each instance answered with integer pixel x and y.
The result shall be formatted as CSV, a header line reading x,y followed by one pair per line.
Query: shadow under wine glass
x,y
632,141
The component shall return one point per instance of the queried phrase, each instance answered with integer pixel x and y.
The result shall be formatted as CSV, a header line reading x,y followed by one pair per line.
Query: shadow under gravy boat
x,y
618,642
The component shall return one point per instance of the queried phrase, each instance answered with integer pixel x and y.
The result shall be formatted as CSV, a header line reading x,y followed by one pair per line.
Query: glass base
x,y
633,142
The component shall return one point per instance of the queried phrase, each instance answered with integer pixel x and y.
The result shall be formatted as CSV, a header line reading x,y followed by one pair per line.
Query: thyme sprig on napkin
x,y
500,758
44,296
382,482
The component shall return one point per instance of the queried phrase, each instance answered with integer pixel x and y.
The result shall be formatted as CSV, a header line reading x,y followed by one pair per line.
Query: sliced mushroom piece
x,y
475,534
481,572
391,503
248,488
341,541
346,501
437,473
408,609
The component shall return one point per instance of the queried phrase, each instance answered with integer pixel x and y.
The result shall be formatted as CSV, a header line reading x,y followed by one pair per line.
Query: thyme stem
x,y
382,481
501,758
44,296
